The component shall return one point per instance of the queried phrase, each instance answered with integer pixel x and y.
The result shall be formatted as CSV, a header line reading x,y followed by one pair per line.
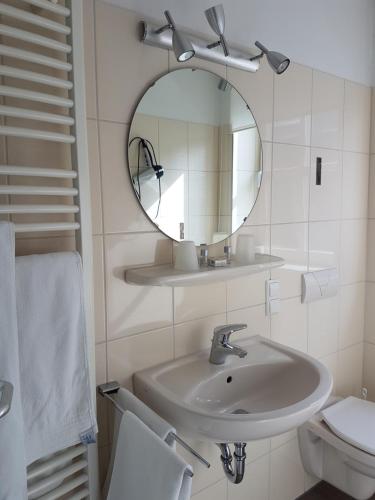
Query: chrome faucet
x,y
221,348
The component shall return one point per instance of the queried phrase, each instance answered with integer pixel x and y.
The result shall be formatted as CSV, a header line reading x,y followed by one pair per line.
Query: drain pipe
x,y
235,475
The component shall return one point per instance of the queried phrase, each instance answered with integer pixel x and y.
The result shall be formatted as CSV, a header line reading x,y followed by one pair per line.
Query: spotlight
x,y
182,46
216,19
278,62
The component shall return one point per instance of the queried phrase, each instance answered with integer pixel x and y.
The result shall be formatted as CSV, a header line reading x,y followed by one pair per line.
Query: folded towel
x,y
56,396
12,462
145,467
129,402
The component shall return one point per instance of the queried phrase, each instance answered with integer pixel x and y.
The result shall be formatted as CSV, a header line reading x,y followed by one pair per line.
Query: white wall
x,y
336,36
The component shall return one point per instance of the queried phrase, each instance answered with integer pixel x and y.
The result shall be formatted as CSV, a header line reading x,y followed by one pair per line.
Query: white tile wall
x,y
355,185
290,183
290,241
368,369
289,327
353,251
255,484
352,308
357,118
287,474
301,114
292,106
323,327
327,111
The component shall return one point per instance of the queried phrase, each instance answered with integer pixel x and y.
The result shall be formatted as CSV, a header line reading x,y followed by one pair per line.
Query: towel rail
x,y
106,390
66,488
46,467
32,76
42,22
39,209
34,57
29,95
37,488
29,133
31,114
48,5
37,172
46,227
27,29
28,36
38,190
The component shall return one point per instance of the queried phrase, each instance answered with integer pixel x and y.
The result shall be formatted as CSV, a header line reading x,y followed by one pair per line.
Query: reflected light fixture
x,y
278,62
182,46
216,19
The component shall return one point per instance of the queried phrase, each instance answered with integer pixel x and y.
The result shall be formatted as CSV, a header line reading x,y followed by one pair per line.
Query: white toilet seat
x,y
321,430
331,457
353,420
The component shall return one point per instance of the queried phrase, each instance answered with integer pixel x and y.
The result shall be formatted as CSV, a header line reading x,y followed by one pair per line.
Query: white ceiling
x,y
336,36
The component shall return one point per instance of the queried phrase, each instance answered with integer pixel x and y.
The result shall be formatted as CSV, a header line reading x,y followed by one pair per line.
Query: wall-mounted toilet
x,y
338,446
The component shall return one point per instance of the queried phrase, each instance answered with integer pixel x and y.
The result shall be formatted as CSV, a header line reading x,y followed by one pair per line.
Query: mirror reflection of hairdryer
x,y
150,160
152,170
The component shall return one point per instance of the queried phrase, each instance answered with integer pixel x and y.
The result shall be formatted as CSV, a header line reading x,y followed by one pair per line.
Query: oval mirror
x,y
195,156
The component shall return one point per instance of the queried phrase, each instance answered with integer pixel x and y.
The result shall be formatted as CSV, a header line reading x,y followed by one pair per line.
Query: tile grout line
x,y
272,184
103,239
309,211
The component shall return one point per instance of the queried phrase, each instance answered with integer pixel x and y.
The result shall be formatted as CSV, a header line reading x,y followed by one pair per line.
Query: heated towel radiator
x,y
42,102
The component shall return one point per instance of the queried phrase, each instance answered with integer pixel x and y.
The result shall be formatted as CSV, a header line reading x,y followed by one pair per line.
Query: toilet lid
x,y
353,420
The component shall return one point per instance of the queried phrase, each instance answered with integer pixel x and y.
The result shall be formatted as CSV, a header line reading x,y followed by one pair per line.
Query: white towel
x,y
56,396
145,467
129,402
12,460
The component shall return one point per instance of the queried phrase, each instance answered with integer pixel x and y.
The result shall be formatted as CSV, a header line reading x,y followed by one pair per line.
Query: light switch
x,y
273,303
274,289
274,306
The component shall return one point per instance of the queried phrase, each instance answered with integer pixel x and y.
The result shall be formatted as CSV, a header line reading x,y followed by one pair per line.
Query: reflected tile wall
x,y
302,115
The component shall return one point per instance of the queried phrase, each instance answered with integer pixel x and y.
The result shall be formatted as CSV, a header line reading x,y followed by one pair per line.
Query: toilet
x,y
338,446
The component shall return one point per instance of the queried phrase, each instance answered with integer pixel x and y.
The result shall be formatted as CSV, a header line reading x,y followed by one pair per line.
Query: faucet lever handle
x,y
223,332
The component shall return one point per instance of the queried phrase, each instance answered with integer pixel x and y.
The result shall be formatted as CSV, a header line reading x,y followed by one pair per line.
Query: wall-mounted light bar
x,y
187,46
235,59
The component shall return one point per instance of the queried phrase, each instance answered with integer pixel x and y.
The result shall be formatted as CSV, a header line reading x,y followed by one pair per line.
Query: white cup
x,y
245,249
186,256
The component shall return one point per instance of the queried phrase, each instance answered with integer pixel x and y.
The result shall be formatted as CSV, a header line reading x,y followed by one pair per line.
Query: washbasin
x,y
272,390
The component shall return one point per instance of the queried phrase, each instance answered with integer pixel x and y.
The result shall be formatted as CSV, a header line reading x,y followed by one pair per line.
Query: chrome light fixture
x,y
278,62
185,45
182,46
216,19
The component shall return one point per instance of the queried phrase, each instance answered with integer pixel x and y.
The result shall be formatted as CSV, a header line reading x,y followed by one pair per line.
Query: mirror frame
x,y
133,113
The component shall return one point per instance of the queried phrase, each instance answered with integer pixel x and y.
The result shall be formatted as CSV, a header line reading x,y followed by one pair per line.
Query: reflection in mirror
x,y
195,156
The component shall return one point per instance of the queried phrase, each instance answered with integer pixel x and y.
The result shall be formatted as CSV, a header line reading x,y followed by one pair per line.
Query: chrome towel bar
x,y
6,394
106,390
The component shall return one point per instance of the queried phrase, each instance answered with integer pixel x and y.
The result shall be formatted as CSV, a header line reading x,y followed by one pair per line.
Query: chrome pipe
x,y
236,472
236,59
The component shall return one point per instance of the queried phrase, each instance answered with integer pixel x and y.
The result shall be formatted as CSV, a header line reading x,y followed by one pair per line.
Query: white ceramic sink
x,y
270,391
